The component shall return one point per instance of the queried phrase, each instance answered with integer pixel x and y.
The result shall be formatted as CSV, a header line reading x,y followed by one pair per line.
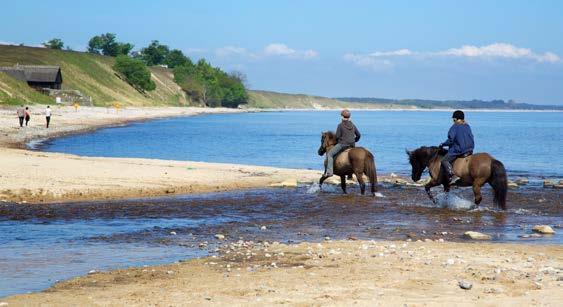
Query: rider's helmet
x,y
458,114
345,113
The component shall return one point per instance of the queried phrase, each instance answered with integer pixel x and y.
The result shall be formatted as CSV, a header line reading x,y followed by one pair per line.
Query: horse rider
x,y
346,135
460,143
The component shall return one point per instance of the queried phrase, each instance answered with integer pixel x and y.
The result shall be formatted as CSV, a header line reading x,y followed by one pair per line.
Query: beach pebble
x,y
544,229
92,272
220,236
263,228
465,285
474,235
173,233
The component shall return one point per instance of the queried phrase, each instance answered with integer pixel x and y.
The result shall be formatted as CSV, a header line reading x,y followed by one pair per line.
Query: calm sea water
x,y
528,143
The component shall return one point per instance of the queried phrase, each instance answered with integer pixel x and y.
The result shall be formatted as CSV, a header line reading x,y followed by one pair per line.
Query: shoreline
x,y
329,273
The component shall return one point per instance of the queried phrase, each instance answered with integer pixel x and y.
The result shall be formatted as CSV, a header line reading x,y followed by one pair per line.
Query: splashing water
x,y
314,188
452,201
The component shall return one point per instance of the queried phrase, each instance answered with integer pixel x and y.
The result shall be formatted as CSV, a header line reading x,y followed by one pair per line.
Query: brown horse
x,y
474,170
357,161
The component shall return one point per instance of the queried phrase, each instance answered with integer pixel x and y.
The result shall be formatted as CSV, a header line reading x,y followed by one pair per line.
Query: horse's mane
x,y
331,135
426,153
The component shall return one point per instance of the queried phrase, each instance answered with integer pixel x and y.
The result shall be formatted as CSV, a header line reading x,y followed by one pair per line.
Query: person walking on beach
x,y
460,142
48,115
21,114
347,135
27,116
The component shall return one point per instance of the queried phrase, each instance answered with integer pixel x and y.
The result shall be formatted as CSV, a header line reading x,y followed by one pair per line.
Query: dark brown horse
x,y
357,161
474,170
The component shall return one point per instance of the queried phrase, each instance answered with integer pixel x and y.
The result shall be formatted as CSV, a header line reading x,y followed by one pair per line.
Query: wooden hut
x,y
36,76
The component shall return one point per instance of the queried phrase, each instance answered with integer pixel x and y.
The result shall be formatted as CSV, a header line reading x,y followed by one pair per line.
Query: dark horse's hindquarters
x,y
482,169
360,161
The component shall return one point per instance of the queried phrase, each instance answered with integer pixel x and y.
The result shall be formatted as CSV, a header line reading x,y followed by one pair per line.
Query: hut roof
x,y
34,73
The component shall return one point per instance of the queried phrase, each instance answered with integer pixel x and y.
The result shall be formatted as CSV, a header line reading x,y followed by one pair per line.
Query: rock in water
x,y
465,285
544,229
474,235
377,194
220,236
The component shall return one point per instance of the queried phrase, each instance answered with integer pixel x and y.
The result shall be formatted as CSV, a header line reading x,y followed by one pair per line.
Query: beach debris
x,y
543,229
92,272
512,185
263,228
378,194
173,233
220,236
465,285
474,235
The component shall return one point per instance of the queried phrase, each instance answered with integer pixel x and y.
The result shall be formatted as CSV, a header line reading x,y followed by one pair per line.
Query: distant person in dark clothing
x,y
21,115
48,115
27,116
460,142
347,135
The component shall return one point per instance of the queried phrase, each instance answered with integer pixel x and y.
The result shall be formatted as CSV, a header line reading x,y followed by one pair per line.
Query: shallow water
x,y
46,243
528,143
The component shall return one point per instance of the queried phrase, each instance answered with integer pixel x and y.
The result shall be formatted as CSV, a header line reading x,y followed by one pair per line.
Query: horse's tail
x,y
369,169
499,182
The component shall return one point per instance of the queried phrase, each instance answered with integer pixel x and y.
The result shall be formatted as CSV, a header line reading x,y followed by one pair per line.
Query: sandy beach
x,y
343,273
248,273
29,176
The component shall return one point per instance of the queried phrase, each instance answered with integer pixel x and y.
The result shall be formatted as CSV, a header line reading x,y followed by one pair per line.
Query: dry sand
x,y
47,177
341,273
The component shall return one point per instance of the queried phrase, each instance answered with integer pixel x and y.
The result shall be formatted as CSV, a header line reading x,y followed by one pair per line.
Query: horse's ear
x,y
409,153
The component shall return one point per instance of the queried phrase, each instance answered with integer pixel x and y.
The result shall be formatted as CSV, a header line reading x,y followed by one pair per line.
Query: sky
x,y
441,50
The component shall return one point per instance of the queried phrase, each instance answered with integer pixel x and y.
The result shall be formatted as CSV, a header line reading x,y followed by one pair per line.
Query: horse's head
x,y
419,159
327,139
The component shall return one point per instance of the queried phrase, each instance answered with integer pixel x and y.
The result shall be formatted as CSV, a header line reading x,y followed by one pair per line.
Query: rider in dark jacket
x,y
460,142
347,135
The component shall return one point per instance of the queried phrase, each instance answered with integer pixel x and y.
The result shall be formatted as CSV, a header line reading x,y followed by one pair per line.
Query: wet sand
x,y
342,273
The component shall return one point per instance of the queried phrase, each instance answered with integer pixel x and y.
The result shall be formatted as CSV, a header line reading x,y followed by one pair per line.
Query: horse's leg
x,y
477,183
360,178
323,178
343,183
427,188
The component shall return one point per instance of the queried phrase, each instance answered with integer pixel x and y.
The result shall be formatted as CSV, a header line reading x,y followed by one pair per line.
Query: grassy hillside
x,y
265,99
91,74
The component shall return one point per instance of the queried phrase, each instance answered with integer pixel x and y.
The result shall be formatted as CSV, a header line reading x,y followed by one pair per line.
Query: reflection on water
x,y
42,244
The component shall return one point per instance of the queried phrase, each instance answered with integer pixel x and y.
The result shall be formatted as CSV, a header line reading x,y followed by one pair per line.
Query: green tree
x,y
135,72
210,85
55,43
176,58
107,45
155,53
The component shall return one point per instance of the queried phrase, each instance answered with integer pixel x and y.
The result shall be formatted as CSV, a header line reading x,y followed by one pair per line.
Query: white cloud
x,y
269,51
195,50
369,61
277,49
496,50
500,50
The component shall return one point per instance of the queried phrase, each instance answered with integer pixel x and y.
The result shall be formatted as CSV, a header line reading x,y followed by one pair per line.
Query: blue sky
x,y
393,49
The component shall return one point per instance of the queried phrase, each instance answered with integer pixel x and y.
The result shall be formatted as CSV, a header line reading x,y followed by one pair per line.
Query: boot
x,y
452,178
